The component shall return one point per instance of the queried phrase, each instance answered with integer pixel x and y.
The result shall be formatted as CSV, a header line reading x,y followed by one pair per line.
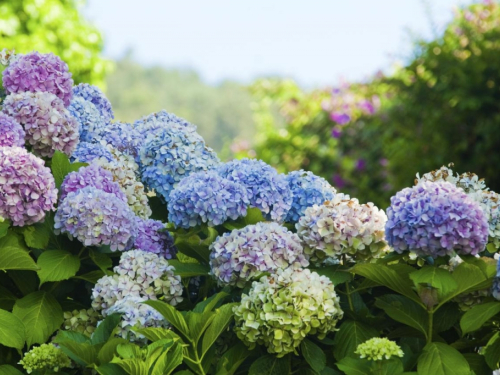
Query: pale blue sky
x,y
316,42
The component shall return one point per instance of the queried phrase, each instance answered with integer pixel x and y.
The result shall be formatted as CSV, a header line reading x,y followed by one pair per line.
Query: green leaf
x,y
404,310
110,369
168,362
129,350
132,366
101,260
156,333
349,336
210,303
189,269
270,365
477,363
60,167
491,351
475,318
446,317
253,216
91,276
41,314
82,353
9,370
469,278
71,336
436,277
354,366
223,317
108,350
232,359
75,167
4,227
12,331
441,359
14,254
198,323
37,236
57,265
173,316
313,355
193,247
7,298
336,276
105,329
392,366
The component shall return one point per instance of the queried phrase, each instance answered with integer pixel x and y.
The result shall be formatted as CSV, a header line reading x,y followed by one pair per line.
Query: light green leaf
x,y
354,366
4,227
156,333
9,370
105,329
223,316
101,260
475,318
469,278
198,323
441,359
168,362
270,365
37,236
82,353
132,366
57,265
404,310
60,167
189,269
171,315
14,254
313,355
349,336
108,350
438,278
129,351
41,314
75,167
210,303
232,359
12,331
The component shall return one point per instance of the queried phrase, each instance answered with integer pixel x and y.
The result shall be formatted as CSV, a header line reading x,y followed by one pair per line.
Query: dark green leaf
x,y
57,265
159,209
441,359
404,310
101,260
7,298
110,369
91,277
477,363
349,336
270,365
475,318
313,355
446,317
108,350
82,353
156,333
105,329
75,167
14,254
491,351
12,331
435,277
210,303
223,316
468,278
334,274
232,359
354,366
171,315
9,370
189,269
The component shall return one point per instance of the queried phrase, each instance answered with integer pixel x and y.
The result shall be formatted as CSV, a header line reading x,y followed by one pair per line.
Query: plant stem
x,y
431,322
349,299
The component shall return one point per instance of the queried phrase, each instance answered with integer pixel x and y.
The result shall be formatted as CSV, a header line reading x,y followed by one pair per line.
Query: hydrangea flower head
x,y
95,217
282,309
267,189
85,152
81,321
307,190
121,136
342,226
242,254
94,95
150,125
47,123
378,349
37,72
45,357
434,219
88,117
27,187
11,132
171,155
152,238
206,197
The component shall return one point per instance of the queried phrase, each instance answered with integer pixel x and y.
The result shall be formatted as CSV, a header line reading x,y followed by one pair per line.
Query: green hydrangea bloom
x,y
81,321
378,348
45,357
281,310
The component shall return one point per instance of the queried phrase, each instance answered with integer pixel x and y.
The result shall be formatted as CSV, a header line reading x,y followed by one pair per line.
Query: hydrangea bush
x,y
131,248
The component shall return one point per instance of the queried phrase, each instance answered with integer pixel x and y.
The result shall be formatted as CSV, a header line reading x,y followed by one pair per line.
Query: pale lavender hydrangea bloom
x,y
88,117
243,254
206,197
27,188
434,219
47,123
85,152
267,189
94,176
152,237
11,132
95,218
36,72
95,96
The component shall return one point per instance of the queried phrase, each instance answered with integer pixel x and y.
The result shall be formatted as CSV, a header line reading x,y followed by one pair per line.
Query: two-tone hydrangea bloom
x,y
282,309
88,117
47,123
307,190
121,136
95,96
45,357
37,72
152,237
434,219
94,176
343,226
85,152
81,321
95,217
171,155
243,254
378,349
267,189
206,197
150,125
11,132
27,187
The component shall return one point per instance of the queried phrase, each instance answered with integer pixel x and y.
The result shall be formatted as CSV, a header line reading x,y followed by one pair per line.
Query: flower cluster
x,y
282,309
88,117
121,136
243,254
379,348
342,226
47,123
152,237
495,289
96,217
205,197
85,152
174,153
45,357
95,96
11,132
27,188
434,219
267,189
36,72
81,321
307,190
150,125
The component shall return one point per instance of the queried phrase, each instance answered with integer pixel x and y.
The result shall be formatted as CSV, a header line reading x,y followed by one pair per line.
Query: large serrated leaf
x,y
232,359
82,353
404,310
57,265
173,316
223,316
313,355
354,366
475,318
189,269
270,365
12,331
437,278
14,254
469,278
60,167
108,350
105,329
441,359
37,236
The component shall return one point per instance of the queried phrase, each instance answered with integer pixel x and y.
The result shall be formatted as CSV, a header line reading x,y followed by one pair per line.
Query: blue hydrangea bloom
x,y
152,237
308,190
434,219
85,152
206,197
172,155
153,122
94,95
88,118
266,188
11,132
121,136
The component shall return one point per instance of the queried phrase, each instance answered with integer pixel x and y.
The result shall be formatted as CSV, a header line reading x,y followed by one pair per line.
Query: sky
x,y
316,42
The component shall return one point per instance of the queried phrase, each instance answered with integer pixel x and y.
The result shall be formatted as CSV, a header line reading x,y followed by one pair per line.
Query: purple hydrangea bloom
x,y
95,218
434,219
171,155
206,197
308,190
11,132
121,136
47,123
94,176
267,189
27,188
89,119
152,239
94,95
85,152
36,72
243,254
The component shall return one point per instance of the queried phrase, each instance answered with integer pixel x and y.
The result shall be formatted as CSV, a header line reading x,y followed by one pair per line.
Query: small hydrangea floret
x,y
378,349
